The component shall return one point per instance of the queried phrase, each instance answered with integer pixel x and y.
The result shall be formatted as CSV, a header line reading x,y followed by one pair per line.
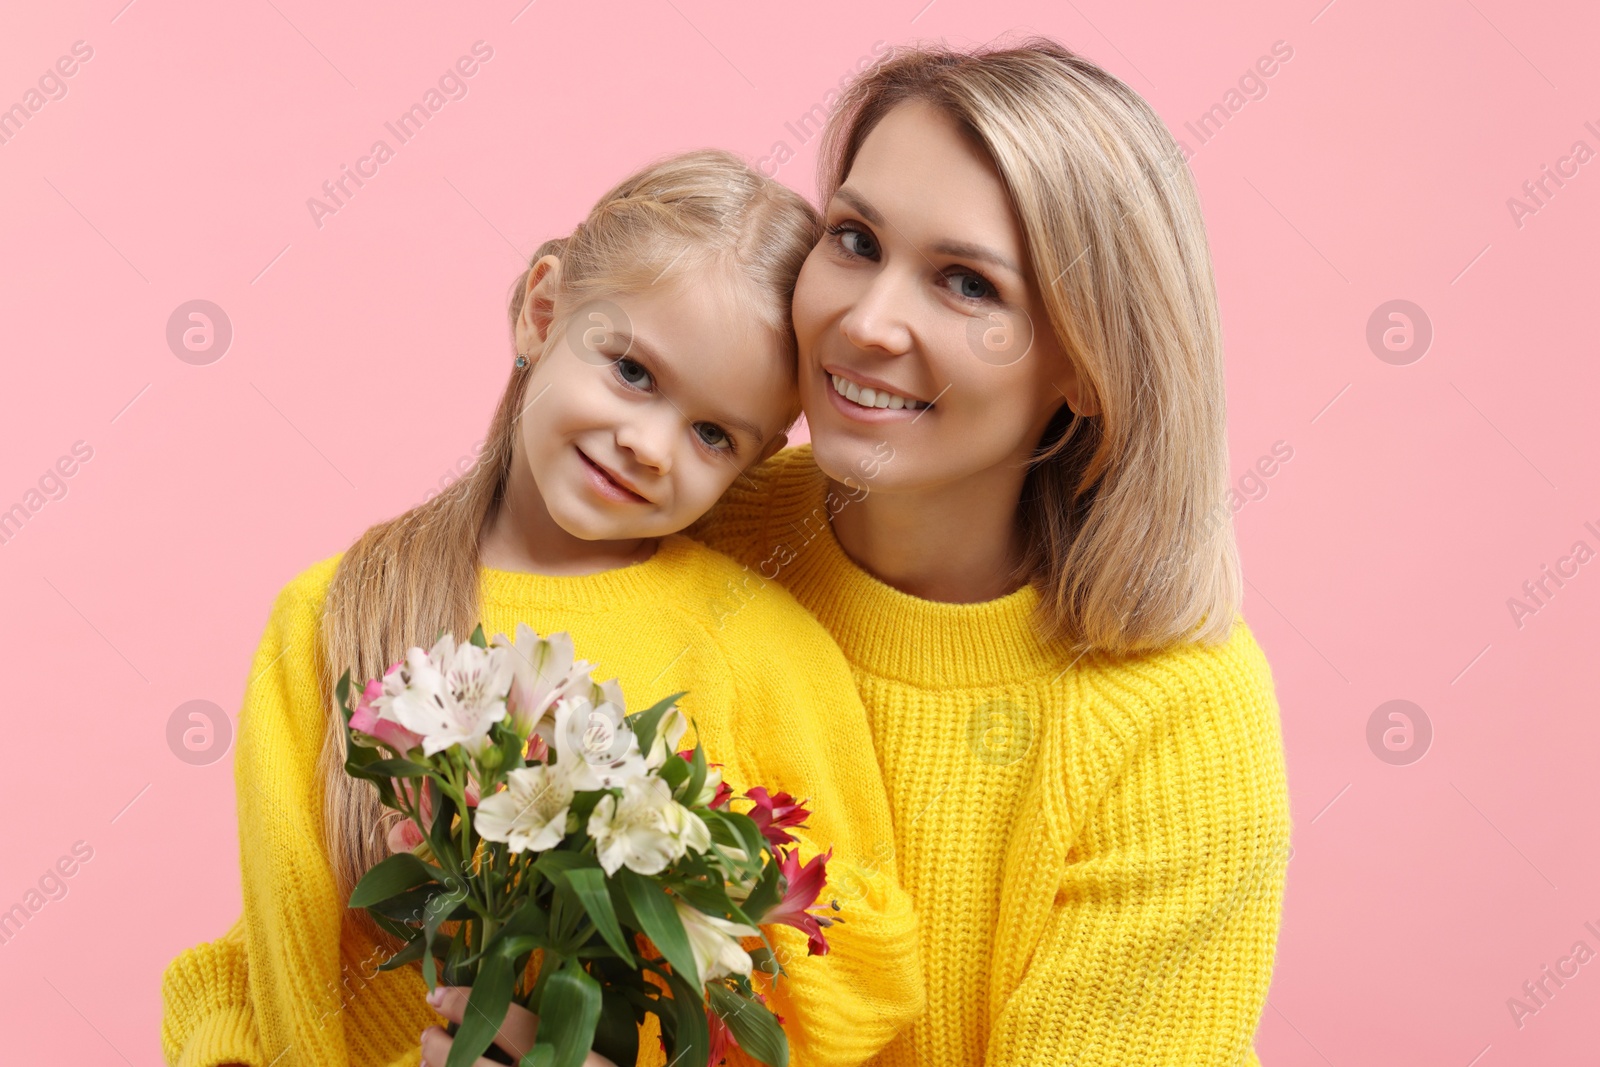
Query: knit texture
x,y
1097,849
772,700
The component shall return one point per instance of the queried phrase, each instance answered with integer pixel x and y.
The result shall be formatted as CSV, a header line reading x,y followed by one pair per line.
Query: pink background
x,y
367,354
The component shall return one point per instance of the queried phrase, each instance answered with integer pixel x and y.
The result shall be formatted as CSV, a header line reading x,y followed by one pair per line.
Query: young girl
x,y
655,363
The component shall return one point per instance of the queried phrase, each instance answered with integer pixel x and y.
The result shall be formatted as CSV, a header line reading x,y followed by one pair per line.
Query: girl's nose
x,y
649,438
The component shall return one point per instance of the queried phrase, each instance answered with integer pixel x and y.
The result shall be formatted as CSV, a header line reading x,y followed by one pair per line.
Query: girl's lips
x,y
605,485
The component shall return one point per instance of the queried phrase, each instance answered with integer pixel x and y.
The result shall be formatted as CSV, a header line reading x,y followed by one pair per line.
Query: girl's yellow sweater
x,y
1097,850
772,700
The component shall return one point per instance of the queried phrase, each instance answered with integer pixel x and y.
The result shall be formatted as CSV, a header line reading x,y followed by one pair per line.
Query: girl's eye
x,y
854,242
970,286
714,435
632,372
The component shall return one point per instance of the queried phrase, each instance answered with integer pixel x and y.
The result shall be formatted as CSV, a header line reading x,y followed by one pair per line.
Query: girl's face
x,y
920,294
641,409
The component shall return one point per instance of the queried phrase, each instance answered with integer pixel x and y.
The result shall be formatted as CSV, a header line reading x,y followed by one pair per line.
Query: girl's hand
x,y
516,1033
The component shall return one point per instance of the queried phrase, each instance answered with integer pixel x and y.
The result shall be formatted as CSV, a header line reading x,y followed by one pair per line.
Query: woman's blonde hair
x,y
1127,533
409,577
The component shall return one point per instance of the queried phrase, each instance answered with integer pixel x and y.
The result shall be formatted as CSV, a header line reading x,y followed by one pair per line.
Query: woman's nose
x,y
879,319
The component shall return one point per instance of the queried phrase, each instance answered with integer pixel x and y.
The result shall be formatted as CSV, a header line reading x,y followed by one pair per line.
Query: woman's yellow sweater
x,y
772,700
1097,850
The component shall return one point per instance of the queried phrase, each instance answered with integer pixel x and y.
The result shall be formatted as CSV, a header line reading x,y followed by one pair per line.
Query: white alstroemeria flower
x,y
646,829
449,695
543,671
708,791
714,940
669,732
594,740
530,814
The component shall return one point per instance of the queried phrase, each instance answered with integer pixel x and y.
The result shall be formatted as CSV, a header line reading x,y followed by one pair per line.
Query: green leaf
x,y
674,772
765,896
437,912
440,837
551,864
617,1035
753,1026
589,885
692,1034
764,960
568,1013
697,774
658,918
413,951
538,1056
645,722
341,693
485,1012
392,876
399,768
477,637
713,899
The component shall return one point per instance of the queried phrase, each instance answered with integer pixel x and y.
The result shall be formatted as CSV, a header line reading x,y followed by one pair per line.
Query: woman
x,y
1011,366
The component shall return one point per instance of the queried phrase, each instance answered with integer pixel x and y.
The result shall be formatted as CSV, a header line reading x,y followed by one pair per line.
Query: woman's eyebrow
x,y
961,249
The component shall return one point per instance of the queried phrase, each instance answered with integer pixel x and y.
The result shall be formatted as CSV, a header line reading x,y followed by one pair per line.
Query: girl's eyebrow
x,y
634,347
960,249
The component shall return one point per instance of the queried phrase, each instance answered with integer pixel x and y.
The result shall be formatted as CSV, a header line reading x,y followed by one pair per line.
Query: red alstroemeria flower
x,y
775,813
722,1039
804,885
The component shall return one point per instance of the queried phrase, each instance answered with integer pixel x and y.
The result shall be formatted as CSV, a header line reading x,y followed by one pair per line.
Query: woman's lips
x,y
605,484
851,410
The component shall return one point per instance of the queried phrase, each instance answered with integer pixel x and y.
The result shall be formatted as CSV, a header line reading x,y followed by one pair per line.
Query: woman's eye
x,y
855,242
632,372
970,286
713,435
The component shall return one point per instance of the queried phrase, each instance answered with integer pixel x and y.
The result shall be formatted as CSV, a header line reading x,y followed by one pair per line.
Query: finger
x,y
516,1033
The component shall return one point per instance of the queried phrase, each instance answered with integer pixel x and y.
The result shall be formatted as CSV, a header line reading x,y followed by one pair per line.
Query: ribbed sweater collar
x,y
890,633
655,582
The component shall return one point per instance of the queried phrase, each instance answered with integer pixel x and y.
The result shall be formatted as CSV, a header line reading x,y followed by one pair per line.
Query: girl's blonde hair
x,y
409,577
1127,533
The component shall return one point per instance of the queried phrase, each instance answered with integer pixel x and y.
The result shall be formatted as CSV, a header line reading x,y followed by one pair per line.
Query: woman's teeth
x,y
871,398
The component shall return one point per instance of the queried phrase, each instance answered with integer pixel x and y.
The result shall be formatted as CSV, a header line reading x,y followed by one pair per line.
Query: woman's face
x,y
920,293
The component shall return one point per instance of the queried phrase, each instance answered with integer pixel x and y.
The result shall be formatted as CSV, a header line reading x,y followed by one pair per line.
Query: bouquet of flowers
x,y
543,818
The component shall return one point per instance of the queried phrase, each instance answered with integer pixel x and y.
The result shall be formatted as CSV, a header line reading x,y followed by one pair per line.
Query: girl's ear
x,y
538,305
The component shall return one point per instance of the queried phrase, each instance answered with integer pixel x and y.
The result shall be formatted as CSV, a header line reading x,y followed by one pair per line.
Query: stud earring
x,y
522,361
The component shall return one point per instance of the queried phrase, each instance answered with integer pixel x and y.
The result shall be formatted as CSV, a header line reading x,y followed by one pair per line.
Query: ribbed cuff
x,y
225,1036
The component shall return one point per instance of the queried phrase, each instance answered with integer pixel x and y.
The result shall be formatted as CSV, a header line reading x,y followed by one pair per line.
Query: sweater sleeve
x,y
799,727
207,1018
292,917
1158,945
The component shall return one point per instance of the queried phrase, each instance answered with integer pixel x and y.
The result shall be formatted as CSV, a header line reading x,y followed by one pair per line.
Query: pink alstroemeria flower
x,y
774,813
804,884
365,719
405,835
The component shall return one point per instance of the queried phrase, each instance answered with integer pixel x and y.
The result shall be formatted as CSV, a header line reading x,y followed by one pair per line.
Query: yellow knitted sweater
x,y
1097,850
772,700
